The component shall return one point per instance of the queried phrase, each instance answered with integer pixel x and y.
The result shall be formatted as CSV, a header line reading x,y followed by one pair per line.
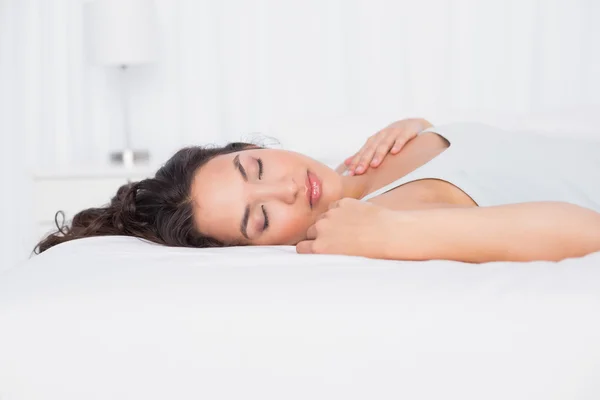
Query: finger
x,y
354,162
399,143
334,204
365,159
322,216
357,157
382,150
304,247
347,201
335,212
348,160
311,233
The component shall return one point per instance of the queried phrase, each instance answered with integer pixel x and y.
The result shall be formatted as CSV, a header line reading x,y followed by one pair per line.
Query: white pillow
x,y
119,318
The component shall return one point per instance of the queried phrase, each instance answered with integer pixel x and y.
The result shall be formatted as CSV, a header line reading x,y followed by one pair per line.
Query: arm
x,y
517,232
390,139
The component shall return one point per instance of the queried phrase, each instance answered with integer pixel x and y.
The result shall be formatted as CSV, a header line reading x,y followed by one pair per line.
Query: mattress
x,y
120,318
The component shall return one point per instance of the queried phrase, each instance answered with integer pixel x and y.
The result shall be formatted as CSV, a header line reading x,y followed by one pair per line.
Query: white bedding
x,y
119,318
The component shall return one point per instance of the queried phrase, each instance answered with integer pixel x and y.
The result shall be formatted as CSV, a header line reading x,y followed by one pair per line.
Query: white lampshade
x,y
121,32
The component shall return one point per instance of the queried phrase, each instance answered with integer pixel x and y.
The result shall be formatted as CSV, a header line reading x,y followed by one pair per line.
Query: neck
x,y
355,187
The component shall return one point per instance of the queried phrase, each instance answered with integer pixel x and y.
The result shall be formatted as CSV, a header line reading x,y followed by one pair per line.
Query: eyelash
x,y
260,168
266,225
260,174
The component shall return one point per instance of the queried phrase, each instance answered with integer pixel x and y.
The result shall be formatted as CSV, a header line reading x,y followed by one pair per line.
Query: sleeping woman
x,y
465,192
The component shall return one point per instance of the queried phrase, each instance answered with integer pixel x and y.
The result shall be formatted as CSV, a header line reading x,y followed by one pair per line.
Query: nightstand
x,y
74,189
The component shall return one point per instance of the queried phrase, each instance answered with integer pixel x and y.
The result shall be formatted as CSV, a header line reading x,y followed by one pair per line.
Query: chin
x,y
332,187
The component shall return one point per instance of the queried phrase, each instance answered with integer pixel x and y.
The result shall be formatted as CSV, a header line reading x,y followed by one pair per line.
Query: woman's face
x,y
262,196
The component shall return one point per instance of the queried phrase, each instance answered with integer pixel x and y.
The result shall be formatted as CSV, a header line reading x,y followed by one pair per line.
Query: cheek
x,y
289,228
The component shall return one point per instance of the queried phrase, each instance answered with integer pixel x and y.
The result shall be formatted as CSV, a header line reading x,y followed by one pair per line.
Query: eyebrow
x,y
244,223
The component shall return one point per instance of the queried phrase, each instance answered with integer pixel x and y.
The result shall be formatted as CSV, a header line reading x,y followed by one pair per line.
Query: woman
x,y
465,192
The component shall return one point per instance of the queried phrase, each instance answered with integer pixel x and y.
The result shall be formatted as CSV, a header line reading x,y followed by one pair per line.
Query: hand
x,y
388,140
357,228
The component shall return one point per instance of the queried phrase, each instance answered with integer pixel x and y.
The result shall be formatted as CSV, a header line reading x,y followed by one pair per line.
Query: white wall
x,y
230,67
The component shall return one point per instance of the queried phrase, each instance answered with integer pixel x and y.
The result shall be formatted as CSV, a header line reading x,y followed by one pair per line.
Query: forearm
x,y
518,232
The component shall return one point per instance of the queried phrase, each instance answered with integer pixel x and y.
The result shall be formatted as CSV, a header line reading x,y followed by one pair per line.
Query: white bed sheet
x,y
119,318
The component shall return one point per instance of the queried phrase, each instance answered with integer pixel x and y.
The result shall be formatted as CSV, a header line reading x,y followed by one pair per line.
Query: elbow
x,y
580,231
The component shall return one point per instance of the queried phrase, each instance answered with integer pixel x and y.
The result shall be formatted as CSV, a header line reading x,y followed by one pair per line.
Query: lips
x,y
313,189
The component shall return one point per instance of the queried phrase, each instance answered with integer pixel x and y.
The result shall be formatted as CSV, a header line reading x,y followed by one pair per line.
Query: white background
x,y
287,69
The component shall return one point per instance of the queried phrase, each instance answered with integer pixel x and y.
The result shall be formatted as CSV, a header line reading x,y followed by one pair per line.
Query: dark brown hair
x,y
157,209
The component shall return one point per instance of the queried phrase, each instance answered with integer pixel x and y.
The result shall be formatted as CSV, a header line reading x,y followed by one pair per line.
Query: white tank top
x,y
495,167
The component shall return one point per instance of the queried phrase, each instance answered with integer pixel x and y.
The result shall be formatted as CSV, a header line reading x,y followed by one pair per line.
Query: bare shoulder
x,y
419,194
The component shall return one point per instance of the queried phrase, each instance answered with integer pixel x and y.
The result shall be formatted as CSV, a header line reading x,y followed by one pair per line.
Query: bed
x,y
121,318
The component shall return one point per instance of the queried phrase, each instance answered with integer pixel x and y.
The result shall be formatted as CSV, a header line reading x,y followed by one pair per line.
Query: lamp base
x,y
129,157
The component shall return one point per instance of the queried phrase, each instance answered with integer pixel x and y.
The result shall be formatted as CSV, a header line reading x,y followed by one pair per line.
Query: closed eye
x,y
266,225
260,168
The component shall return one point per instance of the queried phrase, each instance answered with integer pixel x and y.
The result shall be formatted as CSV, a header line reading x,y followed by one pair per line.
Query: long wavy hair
x,y
157,209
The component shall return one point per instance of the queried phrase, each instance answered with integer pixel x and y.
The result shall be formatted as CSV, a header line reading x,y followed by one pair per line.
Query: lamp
x,y
122,33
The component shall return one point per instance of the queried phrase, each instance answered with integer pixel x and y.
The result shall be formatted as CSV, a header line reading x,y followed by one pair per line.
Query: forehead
x,y
217,197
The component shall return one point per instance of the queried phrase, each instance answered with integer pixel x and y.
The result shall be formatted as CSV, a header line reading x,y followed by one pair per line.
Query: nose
x,y
285,190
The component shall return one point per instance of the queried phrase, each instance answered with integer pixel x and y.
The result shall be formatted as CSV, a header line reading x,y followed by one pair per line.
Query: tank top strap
x,y
448,132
